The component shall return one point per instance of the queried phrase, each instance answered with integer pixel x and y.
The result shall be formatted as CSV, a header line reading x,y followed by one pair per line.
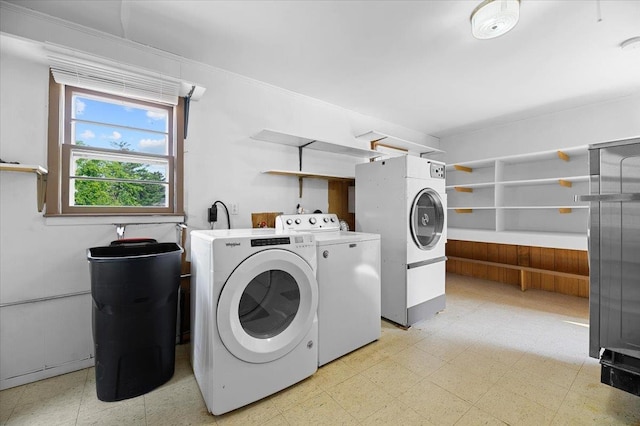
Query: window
x,y
113,155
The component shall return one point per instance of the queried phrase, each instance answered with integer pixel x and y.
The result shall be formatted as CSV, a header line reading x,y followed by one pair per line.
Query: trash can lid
x,y
115,252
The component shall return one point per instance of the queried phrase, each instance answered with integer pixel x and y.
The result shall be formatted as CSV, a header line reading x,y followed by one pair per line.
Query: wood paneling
x,y
339,201
493,255
549,259
264,219
479,251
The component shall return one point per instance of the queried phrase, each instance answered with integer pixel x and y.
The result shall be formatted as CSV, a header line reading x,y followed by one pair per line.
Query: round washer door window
x,y
267,306
427,219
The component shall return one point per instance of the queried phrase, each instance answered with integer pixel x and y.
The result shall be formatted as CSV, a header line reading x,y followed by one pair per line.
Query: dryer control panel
x,y
437,170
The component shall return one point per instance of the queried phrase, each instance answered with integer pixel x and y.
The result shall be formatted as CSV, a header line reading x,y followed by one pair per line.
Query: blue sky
x,y
152,125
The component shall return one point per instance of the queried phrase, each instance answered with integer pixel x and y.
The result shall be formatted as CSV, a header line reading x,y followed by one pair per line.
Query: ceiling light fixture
x,y
492,18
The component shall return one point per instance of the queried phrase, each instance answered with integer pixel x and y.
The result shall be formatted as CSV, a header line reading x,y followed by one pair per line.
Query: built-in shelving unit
x,y
379,139
303,143
41,175
523,199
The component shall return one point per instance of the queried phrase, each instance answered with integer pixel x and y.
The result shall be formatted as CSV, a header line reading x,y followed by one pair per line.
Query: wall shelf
x,y
300,142
303,175
513,198
376,139
310,175
565,240
472,185
41,176
281,138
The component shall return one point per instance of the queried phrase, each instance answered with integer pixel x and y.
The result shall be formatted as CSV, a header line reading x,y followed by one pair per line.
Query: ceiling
x,y
413,63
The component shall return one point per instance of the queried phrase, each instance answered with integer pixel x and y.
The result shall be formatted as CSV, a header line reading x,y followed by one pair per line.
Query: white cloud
x,y
115,136
79,107
156,115
151,143
87,134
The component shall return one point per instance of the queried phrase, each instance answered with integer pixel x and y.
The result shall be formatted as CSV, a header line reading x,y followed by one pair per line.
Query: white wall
x,y
602,122
45,258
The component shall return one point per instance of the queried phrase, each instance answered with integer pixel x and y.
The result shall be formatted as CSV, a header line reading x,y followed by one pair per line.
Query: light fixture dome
x,y
492,18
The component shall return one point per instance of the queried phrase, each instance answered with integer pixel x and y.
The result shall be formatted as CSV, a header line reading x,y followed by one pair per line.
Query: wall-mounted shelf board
x,y
523,158
517,207
383,139
281,138
41,176
472,207
541,207
570,240
307,175
472,185
300,142
310,175
554,180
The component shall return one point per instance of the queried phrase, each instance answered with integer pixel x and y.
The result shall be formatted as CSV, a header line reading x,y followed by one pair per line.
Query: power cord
x,y
213,214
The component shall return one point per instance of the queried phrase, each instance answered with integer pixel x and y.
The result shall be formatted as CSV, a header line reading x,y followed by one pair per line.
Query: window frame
x,y
61,148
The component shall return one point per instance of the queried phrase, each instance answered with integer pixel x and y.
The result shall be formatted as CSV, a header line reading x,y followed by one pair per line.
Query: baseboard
x,y
46,373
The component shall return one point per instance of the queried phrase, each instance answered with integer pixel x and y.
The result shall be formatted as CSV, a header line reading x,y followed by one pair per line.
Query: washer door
x,y
267,306
426,219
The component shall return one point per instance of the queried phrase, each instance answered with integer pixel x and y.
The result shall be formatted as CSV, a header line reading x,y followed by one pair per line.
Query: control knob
x,y
312,220
333,219
326,220
298,221
289,221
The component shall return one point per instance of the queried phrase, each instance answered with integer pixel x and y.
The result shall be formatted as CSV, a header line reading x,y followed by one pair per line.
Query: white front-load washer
x,y
253,314
404,200
348,283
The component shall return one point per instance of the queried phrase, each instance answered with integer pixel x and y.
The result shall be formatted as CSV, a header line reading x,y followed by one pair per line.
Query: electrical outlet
x,y
234,208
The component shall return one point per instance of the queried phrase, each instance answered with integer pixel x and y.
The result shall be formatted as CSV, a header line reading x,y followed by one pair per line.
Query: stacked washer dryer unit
x,y
348,283
403,199
253,314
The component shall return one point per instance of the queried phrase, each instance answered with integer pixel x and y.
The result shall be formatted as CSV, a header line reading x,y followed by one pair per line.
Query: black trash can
x,y
134,286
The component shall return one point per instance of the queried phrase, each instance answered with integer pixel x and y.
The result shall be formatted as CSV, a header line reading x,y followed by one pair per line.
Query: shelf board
x,y
573,206
310,175
476,164
571,241
472,208
577,206
523,158
544,181
281,138
29,168
394,142
41,176
472,185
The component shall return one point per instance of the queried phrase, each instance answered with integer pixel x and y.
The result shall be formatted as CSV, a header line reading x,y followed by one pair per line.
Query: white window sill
x,y
110,220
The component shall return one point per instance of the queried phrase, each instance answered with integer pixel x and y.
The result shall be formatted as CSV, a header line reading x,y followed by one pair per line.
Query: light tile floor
x,y
495,356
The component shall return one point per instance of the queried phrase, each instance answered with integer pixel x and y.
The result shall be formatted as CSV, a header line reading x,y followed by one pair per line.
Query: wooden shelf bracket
x,y
463,189
563,156
565,183
564,210
464,210
462,168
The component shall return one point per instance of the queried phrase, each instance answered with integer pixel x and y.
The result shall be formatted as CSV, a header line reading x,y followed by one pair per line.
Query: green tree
x,y
110,193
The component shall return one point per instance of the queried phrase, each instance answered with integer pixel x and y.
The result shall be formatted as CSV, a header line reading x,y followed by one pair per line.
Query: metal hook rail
x,y
122,227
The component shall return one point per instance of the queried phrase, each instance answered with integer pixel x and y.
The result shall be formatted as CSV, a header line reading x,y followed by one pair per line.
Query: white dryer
x,y
348,283
253,314
404,200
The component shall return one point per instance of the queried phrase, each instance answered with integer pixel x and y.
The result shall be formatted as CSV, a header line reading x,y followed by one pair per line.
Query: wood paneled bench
x,y
522,269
